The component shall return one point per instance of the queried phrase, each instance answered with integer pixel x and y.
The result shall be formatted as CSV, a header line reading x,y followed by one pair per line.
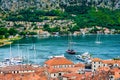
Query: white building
x,y
97,63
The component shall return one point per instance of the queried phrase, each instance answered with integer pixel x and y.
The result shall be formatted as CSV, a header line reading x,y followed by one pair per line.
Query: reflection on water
x,y
44,47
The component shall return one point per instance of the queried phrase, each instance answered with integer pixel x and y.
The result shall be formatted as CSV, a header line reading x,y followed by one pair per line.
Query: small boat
x,y
70,51
85,57
70,46
13,60
50,57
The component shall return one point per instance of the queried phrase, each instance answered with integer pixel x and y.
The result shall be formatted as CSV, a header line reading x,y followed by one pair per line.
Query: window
x,y
60,66
116,64
60,74
65,65
54,66
69,65
111,77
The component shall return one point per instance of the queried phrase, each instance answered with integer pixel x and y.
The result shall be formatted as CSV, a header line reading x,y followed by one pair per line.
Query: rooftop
x,y
59,61
96,59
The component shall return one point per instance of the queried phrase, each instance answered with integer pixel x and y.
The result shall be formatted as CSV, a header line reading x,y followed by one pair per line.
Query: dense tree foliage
x,y
5,32
100,17
54,29
77,9
84,16
12,31
33,15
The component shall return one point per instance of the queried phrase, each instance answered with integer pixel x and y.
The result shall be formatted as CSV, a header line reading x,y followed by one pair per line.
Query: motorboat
x,y
50,57
85,57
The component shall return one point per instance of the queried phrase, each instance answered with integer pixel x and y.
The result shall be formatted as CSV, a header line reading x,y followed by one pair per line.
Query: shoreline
x,y
8,41
73,35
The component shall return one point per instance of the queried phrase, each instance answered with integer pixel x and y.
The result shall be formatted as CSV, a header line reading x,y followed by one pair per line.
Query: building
x,y
115,74
96,63
13,69
58,66
22,72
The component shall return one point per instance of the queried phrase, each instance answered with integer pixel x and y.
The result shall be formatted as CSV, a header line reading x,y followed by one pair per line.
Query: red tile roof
x,y
96,60
59,61
69,69
108,61
103,68
25,76
16,68
80,65
116,73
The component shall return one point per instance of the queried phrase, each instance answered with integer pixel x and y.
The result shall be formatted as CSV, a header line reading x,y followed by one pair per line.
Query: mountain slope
x,y
14,5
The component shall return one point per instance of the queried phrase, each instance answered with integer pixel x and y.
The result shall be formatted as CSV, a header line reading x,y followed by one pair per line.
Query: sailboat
x,y
33,47
13,60
98,38
70,46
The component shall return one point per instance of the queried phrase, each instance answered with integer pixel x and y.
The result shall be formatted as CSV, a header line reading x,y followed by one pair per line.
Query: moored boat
x,y
85,57
70,46
70,51
50,57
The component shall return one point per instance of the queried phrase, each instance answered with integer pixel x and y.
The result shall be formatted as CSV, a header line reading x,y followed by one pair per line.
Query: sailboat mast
x,y
71,43
28,55
10,52
18,50
69,46
98,37
34,53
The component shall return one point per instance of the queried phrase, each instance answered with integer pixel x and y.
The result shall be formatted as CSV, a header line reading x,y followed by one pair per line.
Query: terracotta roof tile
x,y
80,65
116,73
96,60
103,68
16,68
58,61
56,70
108,61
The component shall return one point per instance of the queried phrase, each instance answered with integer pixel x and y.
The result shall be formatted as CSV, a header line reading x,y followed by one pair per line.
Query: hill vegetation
x,y
83,16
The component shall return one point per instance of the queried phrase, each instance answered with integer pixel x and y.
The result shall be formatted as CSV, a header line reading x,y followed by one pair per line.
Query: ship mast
x,y
10,52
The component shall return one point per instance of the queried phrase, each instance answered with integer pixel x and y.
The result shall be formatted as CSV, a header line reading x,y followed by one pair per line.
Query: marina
x,y
53,46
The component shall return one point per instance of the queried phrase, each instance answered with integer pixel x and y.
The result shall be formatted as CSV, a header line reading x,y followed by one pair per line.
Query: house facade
x,y
58,66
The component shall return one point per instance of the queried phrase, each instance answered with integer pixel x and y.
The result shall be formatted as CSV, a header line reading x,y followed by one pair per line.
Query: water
x,y
109,48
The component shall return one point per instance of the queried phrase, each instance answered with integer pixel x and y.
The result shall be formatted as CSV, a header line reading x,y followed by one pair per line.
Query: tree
x,y
7,35
46,27
12,31
3,31
32,33
23,33
55,29
1,36
76,28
